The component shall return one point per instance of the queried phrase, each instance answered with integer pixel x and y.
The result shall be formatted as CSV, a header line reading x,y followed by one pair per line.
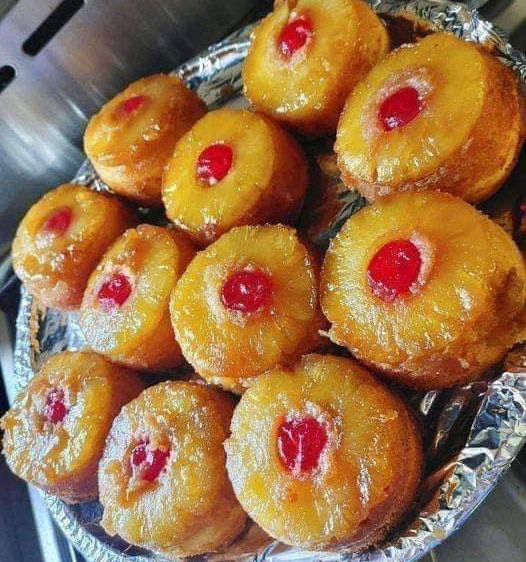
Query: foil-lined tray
x,y
472,433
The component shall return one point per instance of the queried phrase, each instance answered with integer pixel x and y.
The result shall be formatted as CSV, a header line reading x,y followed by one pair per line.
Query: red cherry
x,y
214,163
148,462
55,410
400,108
294,35
114,292
394,269
301,441
138,455
247,291
58,221
131,104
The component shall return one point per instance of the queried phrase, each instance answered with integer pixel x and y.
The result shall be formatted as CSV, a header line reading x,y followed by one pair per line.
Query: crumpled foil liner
x,y
471,433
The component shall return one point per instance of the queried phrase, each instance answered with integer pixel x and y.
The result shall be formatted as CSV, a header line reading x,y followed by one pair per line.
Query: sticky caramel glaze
x,y
465,311
265,183
224,344
368,471
307,90
54,263
62,457
467,134
129,146
190,508
138,333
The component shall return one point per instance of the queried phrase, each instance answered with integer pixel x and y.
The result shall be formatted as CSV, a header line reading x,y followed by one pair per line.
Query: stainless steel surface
x,y
105,45
5,6
511,16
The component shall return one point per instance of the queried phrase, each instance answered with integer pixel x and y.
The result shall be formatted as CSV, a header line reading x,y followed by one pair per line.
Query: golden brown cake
x,y
323,456
439,114
307,56
424,288
62,238
131,138
234,167
163,481
57,427
247,303
124,313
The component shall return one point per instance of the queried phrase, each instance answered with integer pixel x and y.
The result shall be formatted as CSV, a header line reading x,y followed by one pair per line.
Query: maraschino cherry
x,y
147,462
247,291
400,108
131,105
394,269
58,221
295,35
214,163
114,292
301,442
55,409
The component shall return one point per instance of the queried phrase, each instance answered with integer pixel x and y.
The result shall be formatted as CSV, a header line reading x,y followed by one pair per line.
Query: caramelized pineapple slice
x,y
57,427
163,481
440,114
124,313
234,167
307,56
62,238
130,139
424,288
246,303
320,439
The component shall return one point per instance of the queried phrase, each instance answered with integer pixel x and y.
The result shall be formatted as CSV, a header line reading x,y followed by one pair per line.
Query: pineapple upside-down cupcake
x,y
439,114
124,314
57,427
323,455
307,55
130,139
234,167
62,238
162,479
247,303
424,288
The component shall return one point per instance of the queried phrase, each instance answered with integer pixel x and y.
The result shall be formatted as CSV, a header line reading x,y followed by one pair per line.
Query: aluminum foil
x,y
472,433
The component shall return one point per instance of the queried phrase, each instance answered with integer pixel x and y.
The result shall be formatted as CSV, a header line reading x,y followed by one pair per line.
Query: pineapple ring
x,y
458,319
124,314
57,427
174,497
355,448
336,42
462,135
130,139
62,238
281,319
260,175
